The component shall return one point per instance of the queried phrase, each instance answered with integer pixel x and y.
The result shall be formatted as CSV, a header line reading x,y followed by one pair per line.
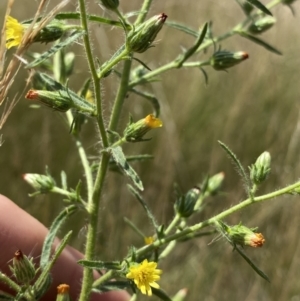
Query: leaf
x,y
72,38
239,167
56,225
154,101
259,42
98,265
112,286
253,266
43,282
161,294
259,6
120,159
144,204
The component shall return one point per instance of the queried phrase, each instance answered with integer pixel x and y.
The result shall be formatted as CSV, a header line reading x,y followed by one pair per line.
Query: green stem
x,y
174,222
84,160
220,216
144,10
93,70
114,61
121,94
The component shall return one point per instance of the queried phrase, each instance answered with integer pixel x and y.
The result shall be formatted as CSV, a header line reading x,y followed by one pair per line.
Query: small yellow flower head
x,y
14,32
148,240
145,276
135,131
254,240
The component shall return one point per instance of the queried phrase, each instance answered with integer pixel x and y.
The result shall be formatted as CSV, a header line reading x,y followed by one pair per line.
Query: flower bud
x,y
260,170
185,204
243,236
51,32
57,100
135,131
41,183
261,25
215,182
63,292
110,4
140,38
222,59
22,268
62,100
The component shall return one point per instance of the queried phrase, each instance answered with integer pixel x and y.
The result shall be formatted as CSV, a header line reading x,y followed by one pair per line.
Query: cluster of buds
x,y
140,38
260,170
135,131
222,59
261,25
41,183
241,235
185,204
22,268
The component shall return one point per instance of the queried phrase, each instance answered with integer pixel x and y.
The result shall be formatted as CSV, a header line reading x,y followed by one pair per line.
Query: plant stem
x,y
220,216
144,10
84,160
174,222
123,88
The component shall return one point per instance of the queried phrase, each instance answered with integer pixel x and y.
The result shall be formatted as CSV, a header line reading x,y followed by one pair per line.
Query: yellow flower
x,y
144,276
148,240
14,32
153,122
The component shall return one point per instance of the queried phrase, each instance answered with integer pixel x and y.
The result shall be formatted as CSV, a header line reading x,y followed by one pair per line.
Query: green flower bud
x,y
135,131
59,100
261,25
140,38
69,61
185,204
260,170
41,183
51,32
63,292
110,4
62,100
22,268
222,59
242,235
214,183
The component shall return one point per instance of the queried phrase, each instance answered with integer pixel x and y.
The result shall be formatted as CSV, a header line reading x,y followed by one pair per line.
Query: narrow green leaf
x,y
160,294
43,282
154,101
120,159
144,204
239,166
112,286
72,38
98,265
253,266
259,6
56,225
183,28
93,18
260,42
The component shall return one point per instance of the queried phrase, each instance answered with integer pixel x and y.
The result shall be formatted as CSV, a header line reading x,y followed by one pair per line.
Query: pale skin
x,y
21,231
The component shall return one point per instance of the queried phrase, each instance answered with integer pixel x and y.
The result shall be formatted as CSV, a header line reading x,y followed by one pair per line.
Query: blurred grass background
x,y
252,108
